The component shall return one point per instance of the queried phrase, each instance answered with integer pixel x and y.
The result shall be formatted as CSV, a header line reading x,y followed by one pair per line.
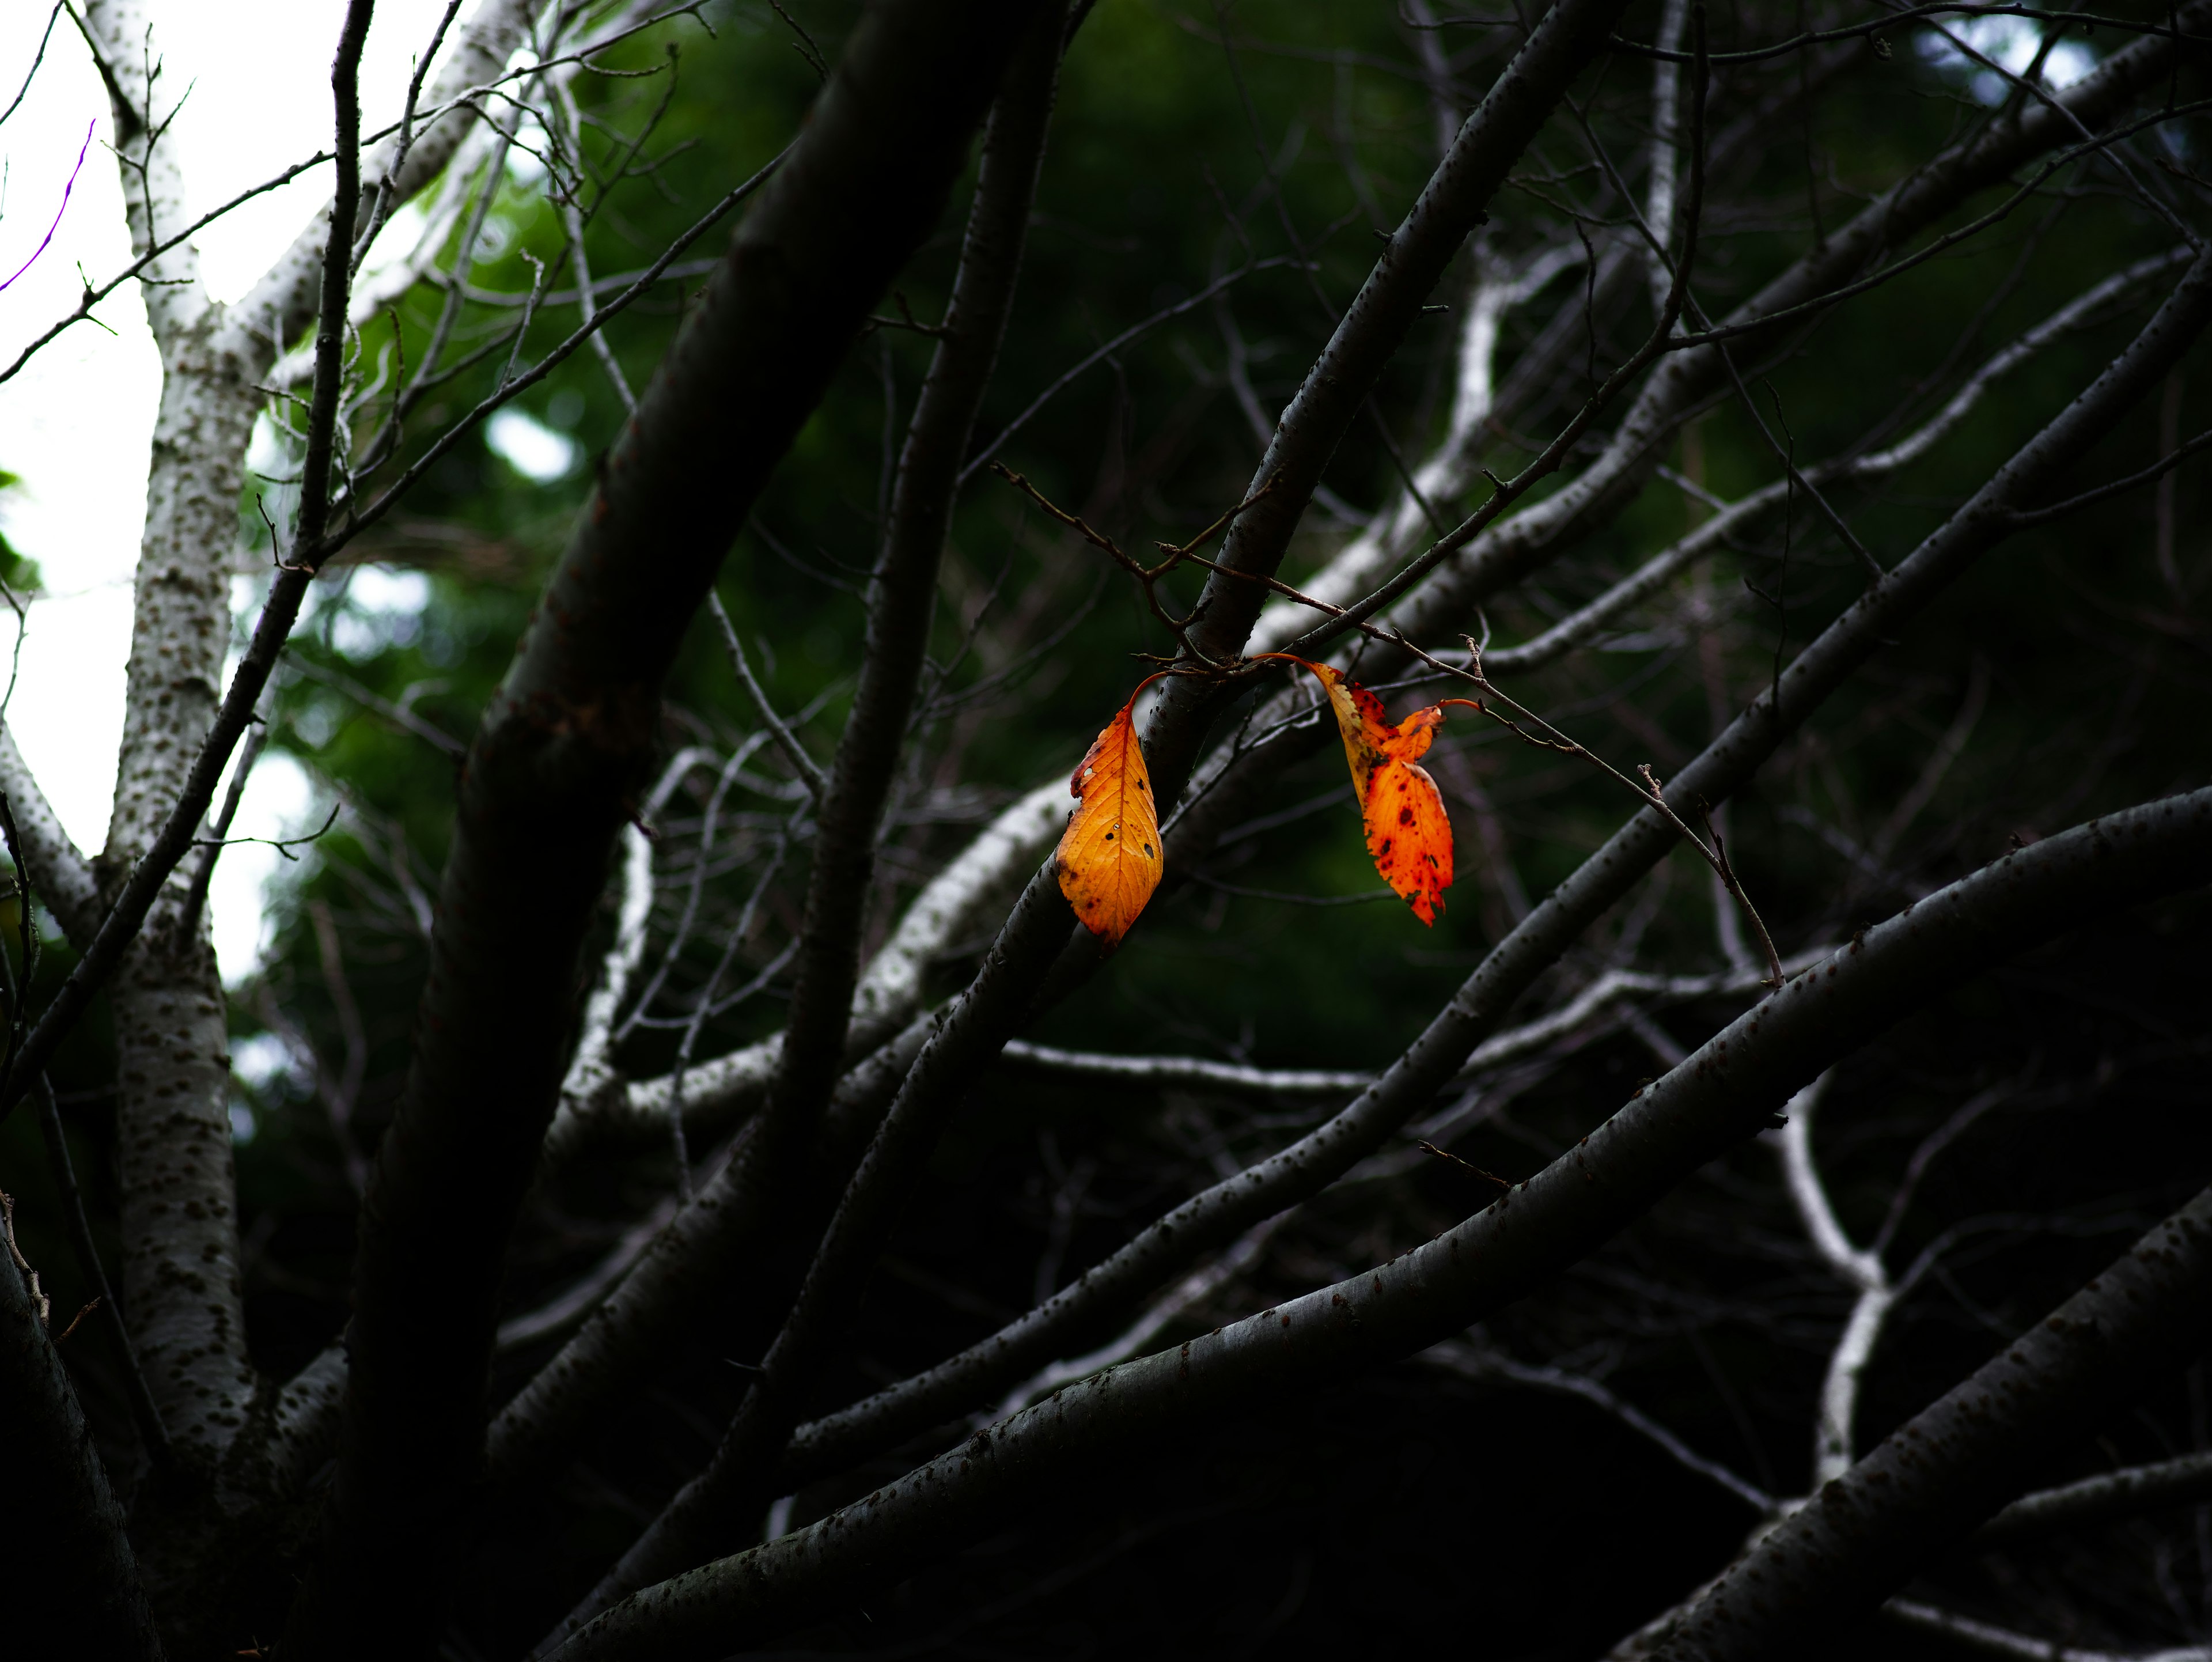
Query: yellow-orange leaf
x,y
1109,855
1408,832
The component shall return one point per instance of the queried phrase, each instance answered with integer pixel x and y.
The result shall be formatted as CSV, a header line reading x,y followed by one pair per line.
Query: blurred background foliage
x,y
1178,162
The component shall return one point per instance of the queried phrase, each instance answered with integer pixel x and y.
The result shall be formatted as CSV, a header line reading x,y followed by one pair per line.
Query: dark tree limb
x,y
902,590
2183,1481
69,1564
1220,1213
901,597
562,747
1718,1097
1864,1534
689,1264
145,1413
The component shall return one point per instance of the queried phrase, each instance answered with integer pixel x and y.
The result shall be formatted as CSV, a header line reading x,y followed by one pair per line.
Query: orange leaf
x,y
1109,855
1408,833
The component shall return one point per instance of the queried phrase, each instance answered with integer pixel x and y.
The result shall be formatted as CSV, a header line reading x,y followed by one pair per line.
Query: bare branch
x,y
1990,1639
2183,1481
1860,1269
808,769
62,876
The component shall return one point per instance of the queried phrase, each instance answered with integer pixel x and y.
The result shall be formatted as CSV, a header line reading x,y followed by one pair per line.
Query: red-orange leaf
x,y
1109,855
1408,833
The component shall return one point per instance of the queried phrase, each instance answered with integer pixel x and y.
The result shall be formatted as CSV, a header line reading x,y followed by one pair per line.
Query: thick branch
x,y
2181,1481
263,325
60,874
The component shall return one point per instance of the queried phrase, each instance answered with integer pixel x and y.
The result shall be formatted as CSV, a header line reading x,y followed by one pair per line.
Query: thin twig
x,y
808,769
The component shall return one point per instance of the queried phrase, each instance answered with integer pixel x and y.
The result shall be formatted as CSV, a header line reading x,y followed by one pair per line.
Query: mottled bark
x,y
180,1284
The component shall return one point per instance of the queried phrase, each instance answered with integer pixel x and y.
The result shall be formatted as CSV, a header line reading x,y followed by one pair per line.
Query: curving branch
x,y
900,601
1990,1639
1613,987
1722,1094
1859,1269
591,1081
1734,519
61,876
2183,1481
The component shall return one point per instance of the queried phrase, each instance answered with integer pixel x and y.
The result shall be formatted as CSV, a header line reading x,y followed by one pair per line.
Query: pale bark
x,y
181,1286
61,876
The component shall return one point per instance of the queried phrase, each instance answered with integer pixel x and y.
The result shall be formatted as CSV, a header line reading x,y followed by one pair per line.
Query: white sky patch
x,y
281,800
2010,42
527,445
383,608
77,424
